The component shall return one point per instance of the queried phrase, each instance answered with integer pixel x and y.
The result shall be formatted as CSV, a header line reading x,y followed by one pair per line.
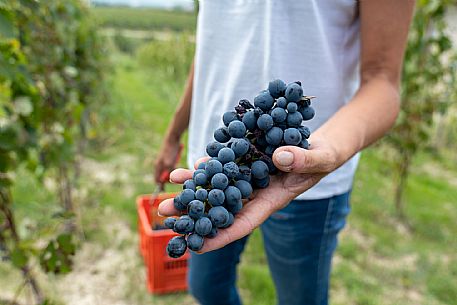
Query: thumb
x,y
298,160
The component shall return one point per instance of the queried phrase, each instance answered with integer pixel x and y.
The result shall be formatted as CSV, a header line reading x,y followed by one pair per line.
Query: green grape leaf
x,y
7,29
57,257
48,259
8,137
445,43
6,71
19,258
66,244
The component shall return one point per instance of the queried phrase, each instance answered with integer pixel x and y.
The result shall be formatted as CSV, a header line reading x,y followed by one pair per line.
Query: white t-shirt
x,y
243,44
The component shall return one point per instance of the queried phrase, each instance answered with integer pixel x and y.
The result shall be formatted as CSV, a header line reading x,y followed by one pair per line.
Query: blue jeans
x,y
299,243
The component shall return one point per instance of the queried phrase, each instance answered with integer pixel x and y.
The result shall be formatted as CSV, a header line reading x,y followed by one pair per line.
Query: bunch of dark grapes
x,y
240,162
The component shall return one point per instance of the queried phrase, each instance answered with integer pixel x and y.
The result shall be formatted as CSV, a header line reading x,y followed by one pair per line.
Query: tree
x,y
429,80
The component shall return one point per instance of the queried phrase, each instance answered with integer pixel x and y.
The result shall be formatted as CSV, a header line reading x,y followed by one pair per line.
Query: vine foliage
x,y
429,87
51,78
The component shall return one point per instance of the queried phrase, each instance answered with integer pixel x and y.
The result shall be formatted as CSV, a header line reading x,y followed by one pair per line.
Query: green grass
x,y
133,126
392,256
144,18
379,260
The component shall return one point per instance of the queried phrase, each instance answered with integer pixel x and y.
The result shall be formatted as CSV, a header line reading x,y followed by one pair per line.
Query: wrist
x,y
340,151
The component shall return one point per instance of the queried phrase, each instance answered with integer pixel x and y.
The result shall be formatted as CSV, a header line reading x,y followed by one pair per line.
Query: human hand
x,y
301,170
166,161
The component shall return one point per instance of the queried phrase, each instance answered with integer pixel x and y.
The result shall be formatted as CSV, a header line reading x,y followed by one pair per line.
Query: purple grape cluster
x,y
240,162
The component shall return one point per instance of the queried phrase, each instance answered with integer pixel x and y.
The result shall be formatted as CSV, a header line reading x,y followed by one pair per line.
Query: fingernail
x,y
285,158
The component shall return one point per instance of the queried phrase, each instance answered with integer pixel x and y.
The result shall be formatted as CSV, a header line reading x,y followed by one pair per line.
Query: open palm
x,y
301,170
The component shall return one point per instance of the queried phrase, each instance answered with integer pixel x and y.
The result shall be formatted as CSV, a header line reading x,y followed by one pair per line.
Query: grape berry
x,y
251,133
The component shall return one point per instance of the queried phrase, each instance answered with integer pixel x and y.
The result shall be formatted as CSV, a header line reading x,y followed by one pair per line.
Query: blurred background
x,y
86,91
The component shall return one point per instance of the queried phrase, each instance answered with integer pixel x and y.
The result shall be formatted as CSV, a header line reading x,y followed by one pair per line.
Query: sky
x,y
154,3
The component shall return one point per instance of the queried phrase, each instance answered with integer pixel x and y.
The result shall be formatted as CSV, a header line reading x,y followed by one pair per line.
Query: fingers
x,y
161,171
180,175
249,218
245,222
299,160
237,230
167,208
158,168
202,159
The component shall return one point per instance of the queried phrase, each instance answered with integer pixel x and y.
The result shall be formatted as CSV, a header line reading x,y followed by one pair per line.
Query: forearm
x,y
374,108
370,114
180,120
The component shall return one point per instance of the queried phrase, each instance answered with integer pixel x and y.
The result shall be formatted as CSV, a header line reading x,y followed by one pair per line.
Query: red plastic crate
x,y
164,274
